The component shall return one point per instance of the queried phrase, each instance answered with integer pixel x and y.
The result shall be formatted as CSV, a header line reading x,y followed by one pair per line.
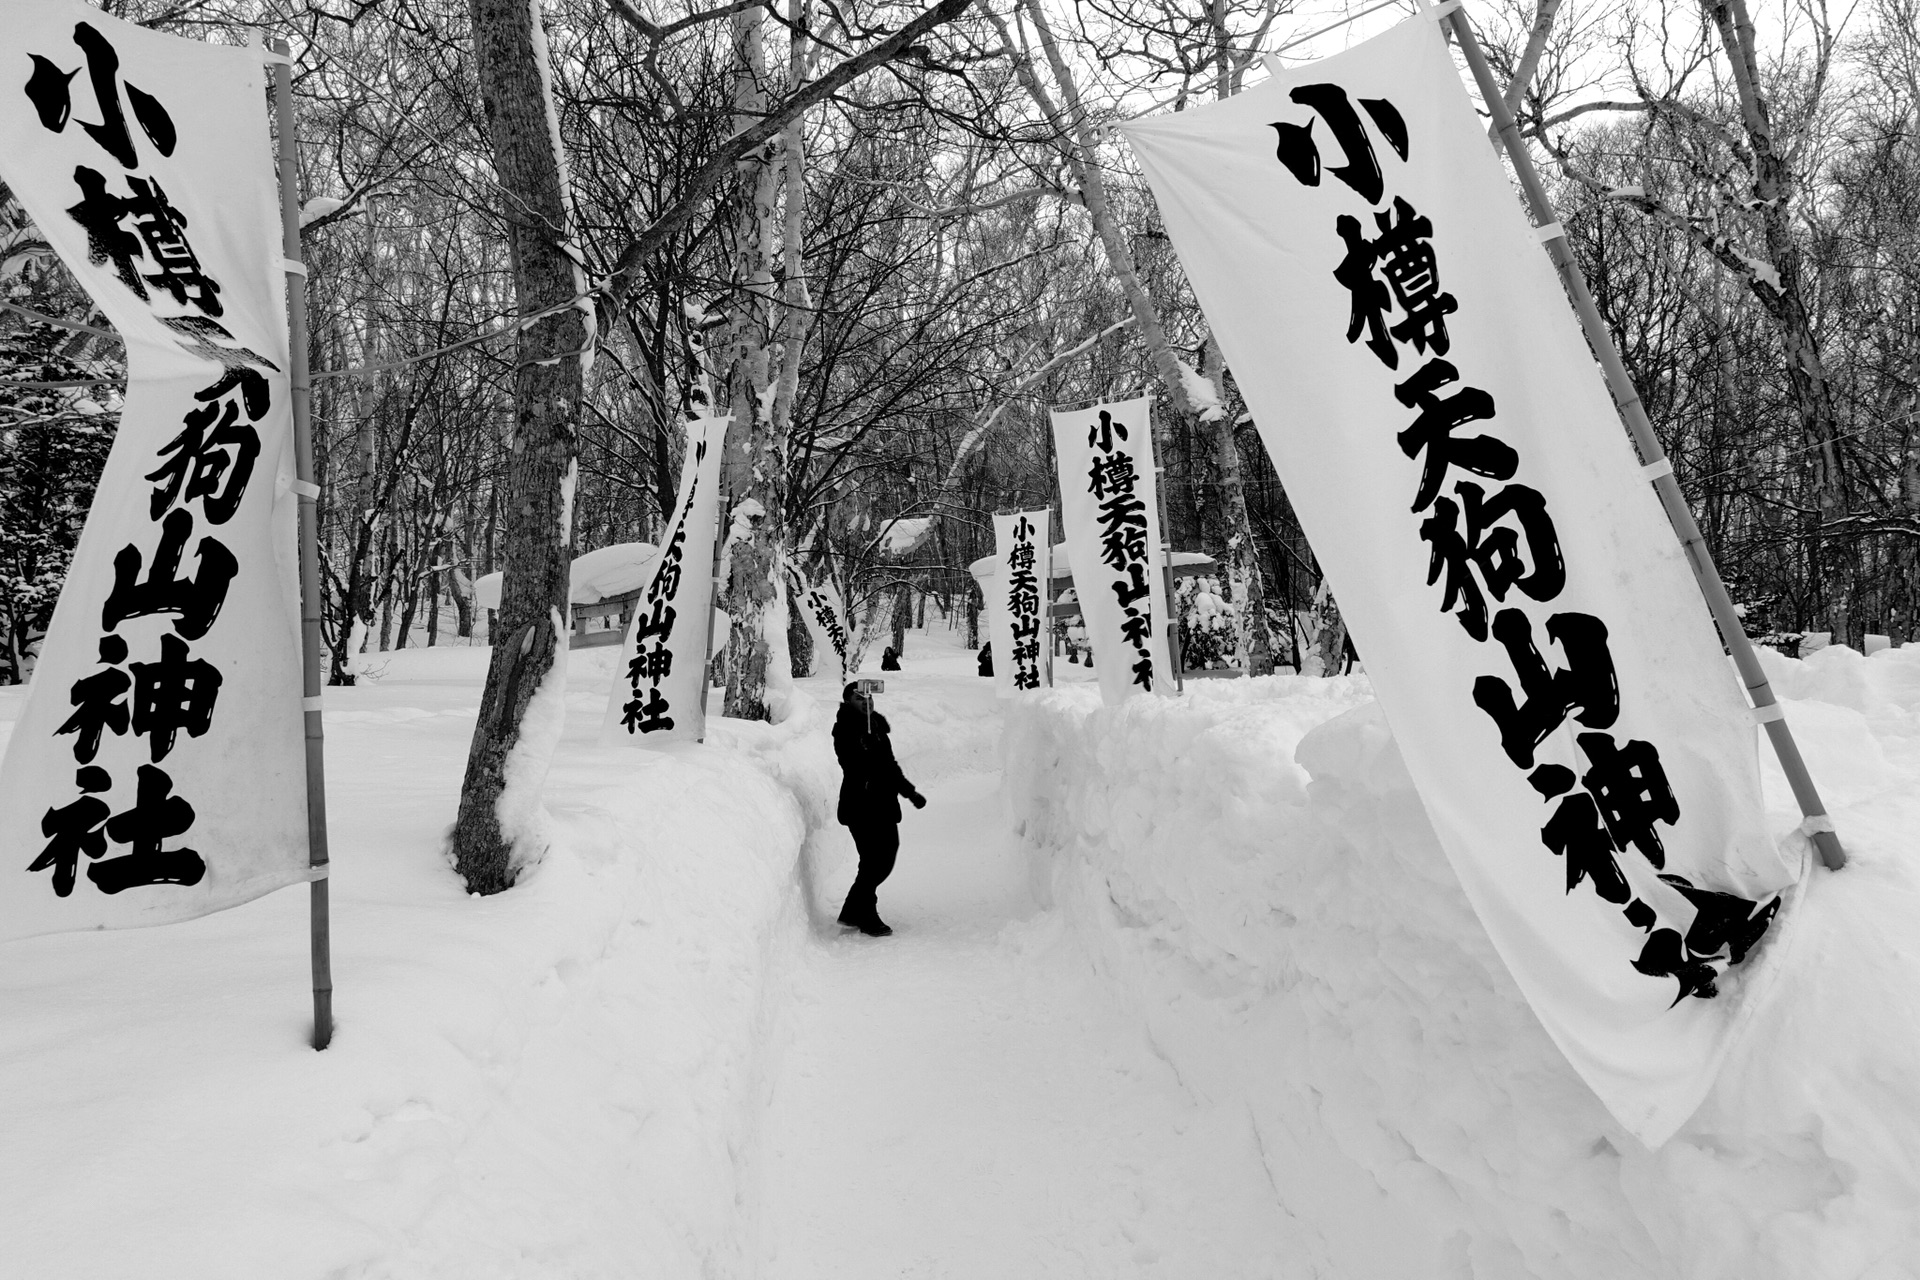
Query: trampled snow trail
x,y
964,1100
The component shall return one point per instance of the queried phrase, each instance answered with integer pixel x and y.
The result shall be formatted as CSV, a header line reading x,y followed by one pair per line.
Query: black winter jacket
x,y
871,783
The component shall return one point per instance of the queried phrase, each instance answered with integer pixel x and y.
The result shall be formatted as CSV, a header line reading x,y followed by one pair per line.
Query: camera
x,y
870,687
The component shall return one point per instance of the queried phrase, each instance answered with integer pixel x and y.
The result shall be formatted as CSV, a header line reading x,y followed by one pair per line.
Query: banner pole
x,y
1766,708
319,905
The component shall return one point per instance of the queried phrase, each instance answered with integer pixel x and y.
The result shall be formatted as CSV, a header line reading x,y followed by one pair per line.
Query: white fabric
x,y
233,817
1261,247
1016,598
663,657
826,622
1128,636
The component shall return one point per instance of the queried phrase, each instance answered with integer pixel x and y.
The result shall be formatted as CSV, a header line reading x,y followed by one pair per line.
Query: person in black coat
x,y
871,785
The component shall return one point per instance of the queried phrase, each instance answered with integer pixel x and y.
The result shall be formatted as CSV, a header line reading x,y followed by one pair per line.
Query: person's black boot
x,y
874,927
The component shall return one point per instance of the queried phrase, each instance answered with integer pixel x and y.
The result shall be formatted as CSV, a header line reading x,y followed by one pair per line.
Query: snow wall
x,y
1251,866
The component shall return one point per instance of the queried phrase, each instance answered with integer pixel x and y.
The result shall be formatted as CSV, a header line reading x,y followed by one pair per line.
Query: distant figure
x,y
986,659
870,789
889,659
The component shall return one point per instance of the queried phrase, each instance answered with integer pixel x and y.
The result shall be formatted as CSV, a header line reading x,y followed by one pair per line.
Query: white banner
x,y
157,771
1016,600
1110,513
1519,599
820,609
656,687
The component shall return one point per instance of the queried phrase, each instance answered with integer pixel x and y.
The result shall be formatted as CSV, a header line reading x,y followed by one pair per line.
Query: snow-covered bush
x,y
1209,624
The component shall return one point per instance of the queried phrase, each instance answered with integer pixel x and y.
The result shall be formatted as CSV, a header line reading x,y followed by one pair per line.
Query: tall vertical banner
x,y
820,608
1016,611
157,770
1522,605
663,658
1110,509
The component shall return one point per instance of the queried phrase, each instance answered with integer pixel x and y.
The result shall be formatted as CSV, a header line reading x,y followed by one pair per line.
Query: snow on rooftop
x,y
903,534
596,575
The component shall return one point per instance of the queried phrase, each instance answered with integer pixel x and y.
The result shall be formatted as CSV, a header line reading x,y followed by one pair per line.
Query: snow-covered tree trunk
x,y
755,469
1243,557
523,705
1330,640
1083,160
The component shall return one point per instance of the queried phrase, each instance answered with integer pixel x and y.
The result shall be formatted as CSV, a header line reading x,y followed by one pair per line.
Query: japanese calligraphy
x,y
130,221
51,91
1122,519
149,684
1025,600
1490,547
647,709
828,619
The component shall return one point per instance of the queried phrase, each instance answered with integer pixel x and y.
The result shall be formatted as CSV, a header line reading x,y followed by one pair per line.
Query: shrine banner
x,y
1110,512
1017,596
157,770
663,660
825,619
1522,606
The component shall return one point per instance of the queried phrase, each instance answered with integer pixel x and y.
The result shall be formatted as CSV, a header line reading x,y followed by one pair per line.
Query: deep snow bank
x,y
563,1080
1252,865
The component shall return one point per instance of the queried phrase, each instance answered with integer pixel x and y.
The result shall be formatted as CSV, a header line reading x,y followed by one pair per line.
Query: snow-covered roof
x,y
903,534
1062,567
605,571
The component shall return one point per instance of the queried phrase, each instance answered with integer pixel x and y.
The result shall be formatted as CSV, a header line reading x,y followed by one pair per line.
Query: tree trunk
x,y
756,463
433,607
799,638
1784,298
1243,556
529,648
462,591
408,608
1085,167
1330,645
902,615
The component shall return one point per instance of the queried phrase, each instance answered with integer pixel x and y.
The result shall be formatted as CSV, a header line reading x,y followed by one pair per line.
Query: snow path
x,y
965,1099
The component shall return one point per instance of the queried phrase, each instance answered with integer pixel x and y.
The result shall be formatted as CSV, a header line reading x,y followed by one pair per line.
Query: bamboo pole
x,y
1766,708
319,911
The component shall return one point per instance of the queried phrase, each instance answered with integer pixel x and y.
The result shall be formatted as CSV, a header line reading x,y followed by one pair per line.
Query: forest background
x,y
886,237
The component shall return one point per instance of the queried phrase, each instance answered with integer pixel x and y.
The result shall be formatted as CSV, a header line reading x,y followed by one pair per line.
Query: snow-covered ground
x,y
1252,871
1165,1002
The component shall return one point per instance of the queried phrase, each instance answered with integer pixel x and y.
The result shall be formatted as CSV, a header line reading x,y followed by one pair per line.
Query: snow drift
x,y
1253,867
564,1080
